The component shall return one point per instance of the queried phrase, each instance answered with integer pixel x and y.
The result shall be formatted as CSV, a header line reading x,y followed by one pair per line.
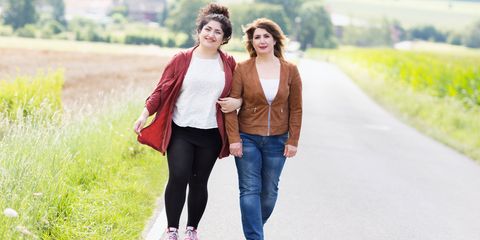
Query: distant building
x,y
98,10
145,10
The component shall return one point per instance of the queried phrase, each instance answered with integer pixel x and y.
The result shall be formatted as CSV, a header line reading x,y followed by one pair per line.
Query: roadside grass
x,y
28,94
79,174
447,118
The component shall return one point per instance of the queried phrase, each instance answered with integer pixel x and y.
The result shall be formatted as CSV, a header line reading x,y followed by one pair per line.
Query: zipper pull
x,y
255,109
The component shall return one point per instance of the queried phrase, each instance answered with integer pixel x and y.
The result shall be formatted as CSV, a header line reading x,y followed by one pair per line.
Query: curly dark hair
x,y
272,28
216,12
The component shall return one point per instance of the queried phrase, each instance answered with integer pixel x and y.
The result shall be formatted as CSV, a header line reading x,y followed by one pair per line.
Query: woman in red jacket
x,y
189,124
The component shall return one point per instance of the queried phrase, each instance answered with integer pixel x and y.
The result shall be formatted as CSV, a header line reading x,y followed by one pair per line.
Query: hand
x,y
236,149
229,104
138,126
290,151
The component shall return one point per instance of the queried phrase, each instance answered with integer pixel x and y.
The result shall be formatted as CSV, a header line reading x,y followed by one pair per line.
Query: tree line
x,y
306,21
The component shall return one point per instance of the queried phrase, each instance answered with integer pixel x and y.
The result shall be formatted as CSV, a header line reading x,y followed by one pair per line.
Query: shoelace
x,y
191,234
172,235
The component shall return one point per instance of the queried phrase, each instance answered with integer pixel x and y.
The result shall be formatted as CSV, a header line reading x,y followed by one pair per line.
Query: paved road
x,y
359,174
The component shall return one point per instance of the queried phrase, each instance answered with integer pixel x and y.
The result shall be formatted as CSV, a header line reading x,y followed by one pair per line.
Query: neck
x,y
204,52
269,57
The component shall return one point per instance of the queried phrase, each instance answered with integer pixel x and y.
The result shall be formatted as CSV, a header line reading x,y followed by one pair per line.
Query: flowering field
x,y
438,92
70,166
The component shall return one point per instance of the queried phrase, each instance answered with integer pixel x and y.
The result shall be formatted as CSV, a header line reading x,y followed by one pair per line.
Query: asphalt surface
x,y
359,174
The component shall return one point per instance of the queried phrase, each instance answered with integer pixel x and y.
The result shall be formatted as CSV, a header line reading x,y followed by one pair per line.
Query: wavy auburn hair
x,y
269,26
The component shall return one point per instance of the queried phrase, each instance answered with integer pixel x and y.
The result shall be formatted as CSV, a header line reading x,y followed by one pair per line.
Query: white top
x,y
201,88
270,88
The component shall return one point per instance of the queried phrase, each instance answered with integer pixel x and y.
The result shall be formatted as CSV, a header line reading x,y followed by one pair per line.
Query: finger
x,y
285,152
135,128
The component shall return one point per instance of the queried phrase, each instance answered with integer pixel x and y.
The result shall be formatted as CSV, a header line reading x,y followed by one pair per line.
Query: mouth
x,y
210,39
262,47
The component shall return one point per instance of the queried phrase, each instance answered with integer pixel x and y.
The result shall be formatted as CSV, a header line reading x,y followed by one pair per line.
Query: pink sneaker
x,y
172,233
191,234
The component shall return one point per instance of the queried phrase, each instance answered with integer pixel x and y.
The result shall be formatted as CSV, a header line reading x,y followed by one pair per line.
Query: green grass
x,y
412,84
411,12
30,94
81,175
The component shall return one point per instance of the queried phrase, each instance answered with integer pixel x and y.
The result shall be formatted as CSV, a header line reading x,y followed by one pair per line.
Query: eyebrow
x,y
216,29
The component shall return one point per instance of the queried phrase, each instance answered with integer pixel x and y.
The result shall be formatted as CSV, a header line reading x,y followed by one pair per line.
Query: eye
x,y
256,37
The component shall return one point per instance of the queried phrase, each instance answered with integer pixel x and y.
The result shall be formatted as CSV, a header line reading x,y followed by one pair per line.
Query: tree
x,y
182,18
58,11
291,7
246,13
18,13
472,38
316,28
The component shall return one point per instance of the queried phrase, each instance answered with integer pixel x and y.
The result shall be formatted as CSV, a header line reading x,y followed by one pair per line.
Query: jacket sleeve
x,y
152,103
295,108
231,118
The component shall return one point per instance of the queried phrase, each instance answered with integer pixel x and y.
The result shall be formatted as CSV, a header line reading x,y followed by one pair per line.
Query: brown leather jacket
x,y
256,116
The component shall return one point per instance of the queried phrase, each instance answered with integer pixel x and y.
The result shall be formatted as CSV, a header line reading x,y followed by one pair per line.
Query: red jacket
x,y
163,98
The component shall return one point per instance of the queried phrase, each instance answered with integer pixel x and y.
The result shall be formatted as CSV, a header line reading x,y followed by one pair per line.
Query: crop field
x,y
436,91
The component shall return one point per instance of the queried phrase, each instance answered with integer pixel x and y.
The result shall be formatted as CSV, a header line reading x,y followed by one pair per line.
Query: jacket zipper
x,y
269,110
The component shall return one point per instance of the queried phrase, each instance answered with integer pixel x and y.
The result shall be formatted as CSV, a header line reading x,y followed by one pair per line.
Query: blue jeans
x,y
259,172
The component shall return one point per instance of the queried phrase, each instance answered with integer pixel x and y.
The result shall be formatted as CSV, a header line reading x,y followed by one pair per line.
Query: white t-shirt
x,y
201,88
270,88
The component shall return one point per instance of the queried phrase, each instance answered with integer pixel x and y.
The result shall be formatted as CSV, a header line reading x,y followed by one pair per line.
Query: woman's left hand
x,y
229,104
290,151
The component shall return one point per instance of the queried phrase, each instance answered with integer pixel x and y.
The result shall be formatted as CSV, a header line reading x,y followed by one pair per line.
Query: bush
x,y
428,33
119,18
171,42
6,30
143,39
50,27
27,31
455,39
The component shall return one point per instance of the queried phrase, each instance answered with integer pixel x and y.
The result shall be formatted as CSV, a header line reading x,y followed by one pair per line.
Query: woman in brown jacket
x,y
266,130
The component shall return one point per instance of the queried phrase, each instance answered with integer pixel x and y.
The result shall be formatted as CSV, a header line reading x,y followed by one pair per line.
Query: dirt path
x,y
86,74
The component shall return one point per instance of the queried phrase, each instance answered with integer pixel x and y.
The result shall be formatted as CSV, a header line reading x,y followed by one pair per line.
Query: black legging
x,y
191,154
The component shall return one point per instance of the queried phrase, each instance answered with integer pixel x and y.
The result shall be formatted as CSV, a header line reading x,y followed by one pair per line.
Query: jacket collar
x,y
256,78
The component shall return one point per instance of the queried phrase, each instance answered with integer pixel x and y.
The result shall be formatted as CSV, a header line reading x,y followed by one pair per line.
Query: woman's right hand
x,y
138,126
236,149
